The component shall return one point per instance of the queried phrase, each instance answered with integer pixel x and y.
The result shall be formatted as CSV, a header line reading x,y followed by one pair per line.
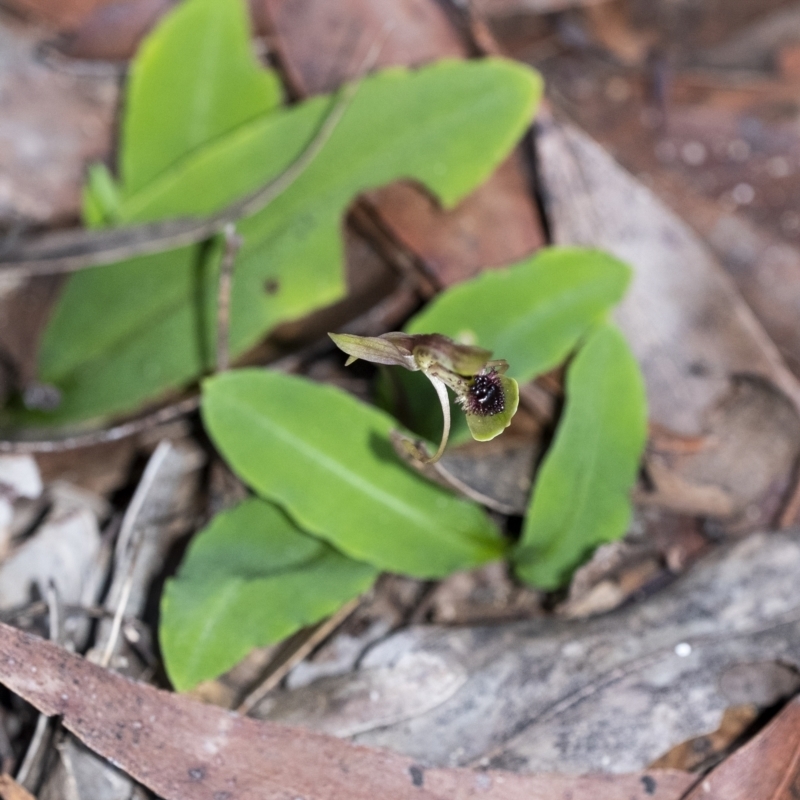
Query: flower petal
x,y
376,349
485,427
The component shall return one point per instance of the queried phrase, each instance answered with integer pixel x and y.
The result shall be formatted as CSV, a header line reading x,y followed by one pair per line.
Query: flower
x,y
488,397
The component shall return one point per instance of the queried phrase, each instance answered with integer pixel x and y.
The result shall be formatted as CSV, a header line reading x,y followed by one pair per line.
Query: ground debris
x,y
609,693
183,749
693,335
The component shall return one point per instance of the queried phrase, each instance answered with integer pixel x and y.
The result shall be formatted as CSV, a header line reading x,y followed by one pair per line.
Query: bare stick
x,y
315,637
473,494
105,435
232,244
43,722
34,749
128,543
71,786
791,510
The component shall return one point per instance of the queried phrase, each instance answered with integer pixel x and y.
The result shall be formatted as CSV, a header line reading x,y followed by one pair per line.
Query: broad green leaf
x,y
581,496
195,78
143,327
327,459
249,579
531,314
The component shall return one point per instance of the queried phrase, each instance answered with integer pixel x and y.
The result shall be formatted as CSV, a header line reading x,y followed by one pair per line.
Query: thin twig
x,y
415,453
315,637
23,776
396,307
116,625
128,542
25,772
791,510
104,435
39,607
72,791
55,612
70,251
472,494
232,244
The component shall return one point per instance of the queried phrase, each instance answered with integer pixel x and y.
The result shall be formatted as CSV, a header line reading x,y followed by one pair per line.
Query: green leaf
x,y
127,333
581,496
249,579
327,459
195,78
531,314
101,198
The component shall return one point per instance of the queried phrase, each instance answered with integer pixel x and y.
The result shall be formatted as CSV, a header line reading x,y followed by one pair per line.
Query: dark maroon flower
x,y
485,395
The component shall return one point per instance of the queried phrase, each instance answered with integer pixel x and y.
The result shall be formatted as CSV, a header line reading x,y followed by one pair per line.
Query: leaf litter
x,y
739,465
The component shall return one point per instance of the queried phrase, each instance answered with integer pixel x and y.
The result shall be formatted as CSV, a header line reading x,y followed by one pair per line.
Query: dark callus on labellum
x,y
485,395
488,397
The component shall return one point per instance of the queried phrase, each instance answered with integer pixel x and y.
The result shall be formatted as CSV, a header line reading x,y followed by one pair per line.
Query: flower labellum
x,y
488,397
485,395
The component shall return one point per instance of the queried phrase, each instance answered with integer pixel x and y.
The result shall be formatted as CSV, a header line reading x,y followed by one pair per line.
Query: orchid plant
x,y
489,398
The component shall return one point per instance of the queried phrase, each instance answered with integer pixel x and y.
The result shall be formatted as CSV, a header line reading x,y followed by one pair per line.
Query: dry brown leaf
x,y
710,368
42,163
508,8
677,494
766,768
184,750
320,43
11,790
56,13
113,31
691,755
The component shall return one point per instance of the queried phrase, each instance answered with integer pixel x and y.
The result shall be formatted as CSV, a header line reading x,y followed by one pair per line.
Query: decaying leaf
x,y
580,697
766,768
11,790
692,334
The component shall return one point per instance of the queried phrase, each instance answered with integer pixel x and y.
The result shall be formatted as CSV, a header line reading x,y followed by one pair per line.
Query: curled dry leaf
x,y
766,768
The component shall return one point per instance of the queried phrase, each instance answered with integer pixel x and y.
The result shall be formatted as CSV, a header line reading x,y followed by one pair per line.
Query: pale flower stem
x,y
441,390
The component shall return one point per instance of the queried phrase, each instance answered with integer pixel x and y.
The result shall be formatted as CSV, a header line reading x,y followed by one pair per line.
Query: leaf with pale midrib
x,y
326,458
128,333
249,579
532,313
581,497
